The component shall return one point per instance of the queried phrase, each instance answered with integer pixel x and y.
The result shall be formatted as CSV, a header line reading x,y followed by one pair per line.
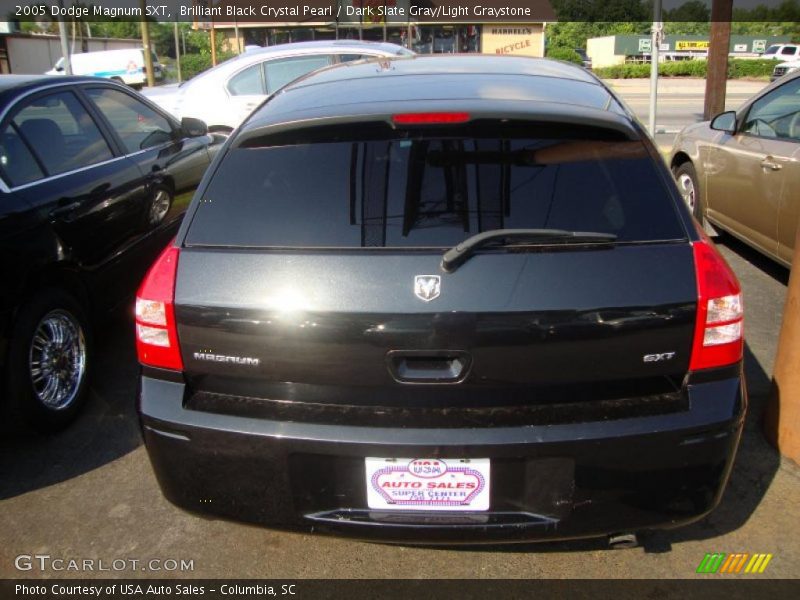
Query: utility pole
x,y
717,74
178,53
236,33
384,20
62,33
655,42
782,418
148,55
213,43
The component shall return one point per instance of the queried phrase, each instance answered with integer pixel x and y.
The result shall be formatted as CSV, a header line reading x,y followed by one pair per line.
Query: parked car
x,y
225,95
442,298
88,173
125,66
740,173
782,52
586,61
784,68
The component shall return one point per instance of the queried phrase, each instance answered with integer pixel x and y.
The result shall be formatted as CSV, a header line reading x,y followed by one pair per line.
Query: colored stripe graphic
x,y
711,562
735,563
738,562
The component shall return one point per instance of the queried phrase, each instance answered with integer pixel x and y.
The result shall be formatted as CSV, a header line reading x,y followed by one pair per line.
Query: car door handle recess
x,y
770,164
429,366
64,209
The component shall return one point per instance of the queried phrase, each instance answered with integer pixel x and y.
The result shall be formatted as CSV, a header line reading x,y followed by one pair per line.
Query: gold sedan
x,y
740,172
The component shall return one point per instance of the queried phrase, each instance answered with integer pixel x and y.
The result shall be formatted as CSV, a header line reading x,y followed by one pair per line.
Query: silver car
x,y
225,95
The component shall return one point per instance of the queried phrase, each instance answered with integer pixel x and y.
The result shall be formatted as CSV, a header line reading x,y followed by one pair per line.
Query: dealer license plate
x,y
428,483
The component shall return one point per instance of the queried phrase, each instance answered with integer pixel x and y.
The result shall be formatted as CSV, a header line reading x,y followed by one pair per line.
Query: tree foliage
x,y
580,20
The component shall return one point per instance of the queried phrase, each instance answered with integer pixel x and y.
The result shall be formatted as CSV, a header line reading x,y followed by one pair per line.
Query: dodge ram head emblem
x,y
427,287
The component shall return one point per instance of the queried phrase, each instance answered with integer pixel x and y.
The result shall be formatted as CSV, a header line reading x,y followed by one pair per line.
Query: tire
x,y
160,203
686,178
51,329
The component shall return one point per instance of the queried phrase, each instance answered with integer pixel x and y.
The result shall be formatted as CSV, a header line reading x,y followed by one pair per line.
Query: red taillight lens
x,y
718,335
430,118
156,333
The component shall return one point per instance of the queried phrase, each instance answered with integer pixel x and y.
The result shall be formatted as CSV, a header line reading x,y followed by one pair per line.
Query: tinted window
x,y
280,72
788,50
431,192
61,133
16,161
772,50
138,126
351,57
776,115
247,82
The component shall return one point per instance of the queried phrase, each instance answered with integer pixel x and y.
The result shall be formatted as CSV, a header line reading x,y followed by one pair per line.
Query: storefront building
x,y
620,49
372,23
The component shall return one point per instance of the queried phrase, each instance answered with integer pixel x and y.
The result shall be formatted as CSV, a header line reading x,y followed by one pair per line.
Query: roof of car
x,y
322,44
471,64
13,85
11,81
256,55
488,84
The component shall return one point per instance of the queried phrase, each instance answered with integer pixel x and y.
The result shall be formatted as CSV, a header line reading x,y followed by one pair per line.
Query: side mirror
x,y
59,68
725,122
193,127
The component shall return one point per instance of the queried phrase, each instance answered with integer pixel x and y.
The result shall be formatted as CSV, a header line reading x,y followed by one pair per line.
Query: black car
x,y
89,174
442,299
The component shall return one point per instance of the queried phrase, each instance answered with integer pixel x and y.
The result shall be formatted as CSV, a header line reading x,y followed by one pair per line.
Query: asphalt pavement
x,y
89,493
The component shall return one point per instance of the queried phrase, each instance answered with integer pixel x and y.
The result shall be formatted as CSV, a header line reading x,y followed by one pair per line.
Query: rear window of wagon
x,y
431,190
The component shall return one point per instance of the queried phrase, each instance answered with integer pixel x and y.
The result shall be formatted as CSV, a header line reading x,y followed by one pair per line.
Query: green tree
x,y
601,10
574,34
692,11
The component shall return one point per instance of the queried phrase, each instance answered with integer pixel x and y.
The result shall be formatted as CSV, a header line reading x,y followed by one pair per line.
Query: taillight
x,y
718,335
430,118
156,333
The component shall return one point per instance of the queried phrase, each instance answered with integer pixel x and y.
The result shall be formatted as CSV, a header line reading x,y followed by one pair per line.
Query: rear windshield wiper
x,y
456,256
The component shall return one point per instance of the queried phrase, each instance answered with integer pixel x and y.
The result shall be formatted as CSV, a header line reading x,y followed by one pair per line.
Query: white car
x,y
782,52
224,96
784,68
126,66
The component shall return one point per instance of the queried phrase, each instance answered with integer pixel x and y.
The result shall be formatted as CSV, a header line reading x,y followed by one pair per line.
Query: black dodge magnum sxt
x,y
442,299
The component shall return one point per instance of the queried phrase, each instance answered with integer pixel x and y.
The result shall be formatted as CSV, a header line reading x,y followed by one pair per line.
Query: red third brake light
x,y
156,332
430,118
718,335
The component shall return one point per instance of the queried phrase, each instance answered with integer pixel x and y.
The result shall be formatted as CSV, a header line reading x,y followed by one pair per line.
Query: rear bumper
x,y
548,482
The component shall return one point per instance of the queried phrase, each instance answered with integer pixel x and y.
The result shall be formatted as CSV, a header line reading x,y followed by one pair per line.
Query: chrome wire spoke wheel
x,y
159,207
688,192
57,359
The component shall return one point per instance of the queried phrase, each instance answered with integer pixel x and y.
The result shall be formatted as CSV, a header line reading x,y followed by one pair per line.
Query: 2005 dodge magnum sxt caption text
x,y
442,299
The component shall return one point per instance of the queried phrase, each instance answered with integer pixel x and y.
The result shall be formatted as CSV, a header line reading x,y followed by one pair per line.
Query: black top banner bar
x,y
366,12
